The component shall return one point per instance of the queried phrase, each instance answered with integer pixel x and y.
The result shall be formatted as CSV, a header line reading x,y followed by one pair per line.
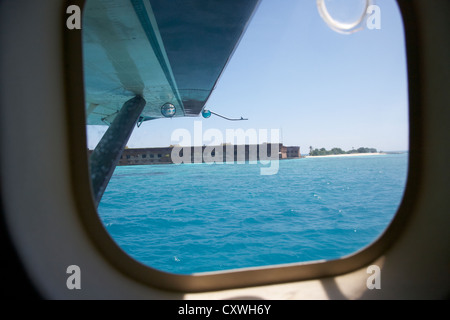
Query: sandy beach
x,y
348,155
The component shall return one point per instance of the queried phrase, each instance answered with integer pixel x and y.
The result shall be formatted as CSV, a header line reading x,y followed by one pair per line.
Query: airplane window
x,y
231,134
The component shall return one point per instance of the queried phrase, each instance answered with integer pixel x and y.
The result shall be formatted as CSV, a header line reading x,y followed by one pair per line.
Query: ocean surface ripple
x,y
193,218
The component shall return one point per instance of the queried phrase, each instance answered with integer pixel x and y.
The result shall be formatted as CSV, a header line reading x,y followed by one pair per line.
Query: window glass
x,y
312,166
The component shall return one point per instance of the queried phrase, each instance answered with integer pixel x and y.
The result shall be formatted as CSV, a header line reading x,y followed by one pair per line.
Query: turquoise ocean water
x,y
205,217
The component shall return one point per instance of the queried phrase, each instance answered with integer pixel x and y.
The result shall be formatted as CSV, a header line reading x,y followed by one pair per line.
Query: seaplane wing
x,y
167,52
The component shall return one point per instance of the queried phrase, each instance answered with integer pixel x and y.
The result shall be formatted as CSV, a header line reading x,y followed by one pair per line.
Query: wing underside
x,y
165,51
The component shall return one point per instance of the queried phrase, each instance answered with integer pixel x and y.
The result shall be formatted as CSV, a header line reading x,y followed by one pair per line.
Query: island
x,y
339,152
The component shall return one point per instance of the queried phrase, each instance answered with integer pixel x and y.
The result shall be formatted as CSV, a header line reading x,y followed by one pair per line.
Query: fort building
x,y
202,154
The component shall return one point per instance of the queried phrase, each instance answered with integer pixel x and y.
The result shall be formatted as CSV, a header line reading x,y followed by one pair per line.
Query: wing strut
x,y
106,155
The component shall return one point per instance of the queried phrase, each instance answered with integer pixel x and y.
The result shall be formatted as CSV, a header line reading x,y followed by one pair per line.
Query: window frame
x,y
229,279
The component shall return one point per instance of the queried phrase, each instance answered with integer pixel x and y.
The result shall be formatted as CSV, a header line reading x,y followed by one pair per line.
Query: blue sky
x,y
320,88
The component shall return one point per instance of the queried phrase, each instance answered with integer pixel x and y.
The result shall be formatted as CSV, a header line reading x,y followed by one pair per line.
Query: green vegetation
x,y
324,152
